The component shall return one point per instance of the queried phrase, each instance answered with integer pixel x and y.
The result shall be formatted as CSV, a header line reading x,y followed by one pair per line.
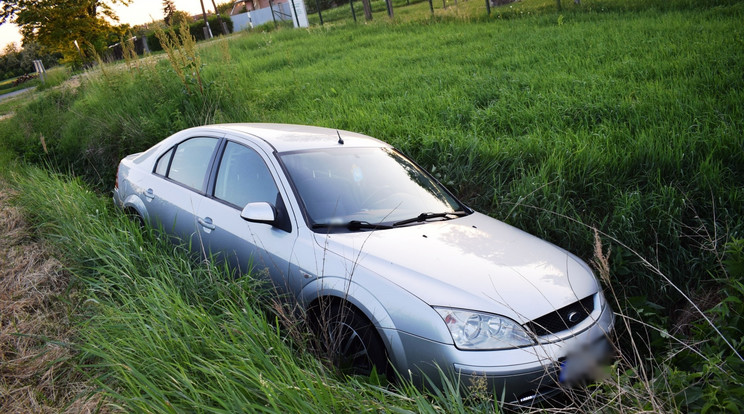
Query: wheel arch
x,y
335,290
134,205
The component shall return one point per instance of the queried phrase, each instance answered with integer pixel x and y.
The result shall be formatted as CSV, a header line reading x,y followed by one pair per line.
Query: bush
x,y
153,43
197,28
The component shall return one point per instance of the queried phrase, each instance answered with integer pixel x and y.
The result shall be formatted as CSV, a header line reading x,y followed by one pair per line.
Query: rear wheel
x,y
350,341
135,217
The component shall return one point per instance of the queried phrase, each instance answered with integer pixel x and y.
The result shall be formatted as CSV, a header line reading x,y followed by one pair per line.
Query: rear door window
x,y
191,162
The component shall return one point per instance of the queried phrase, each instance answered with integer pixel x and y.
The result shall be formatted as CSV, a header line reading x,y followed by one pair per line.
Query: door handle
x,y
149,194
206,222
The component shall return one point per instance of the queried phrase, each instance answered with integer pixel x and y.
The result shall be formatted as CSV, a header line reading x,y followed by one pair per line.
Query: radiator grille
x,y
564,318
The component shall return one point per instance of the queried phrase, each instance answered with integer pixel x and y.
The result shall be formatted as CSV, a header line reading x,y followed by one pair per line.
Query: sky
x,y
138,12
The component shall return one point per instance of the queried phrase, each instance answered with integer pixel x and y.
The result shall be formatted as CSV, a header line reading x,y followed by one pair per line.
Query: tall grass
x,y
55,76
162,332
35,369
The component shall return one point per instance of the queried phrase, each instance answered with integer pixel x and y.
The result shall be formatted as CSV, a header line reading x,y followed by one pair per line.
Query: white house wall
x,y
282,11
241,21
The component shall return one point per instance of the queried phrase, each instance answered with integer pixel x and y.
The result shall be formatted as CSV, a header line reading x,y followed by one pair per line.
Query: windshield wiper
x,y
352,225
427,216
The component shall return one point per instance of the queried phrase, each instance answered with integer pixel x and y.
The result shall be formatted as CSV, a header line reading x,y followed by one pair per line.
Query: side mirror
x,y
260,212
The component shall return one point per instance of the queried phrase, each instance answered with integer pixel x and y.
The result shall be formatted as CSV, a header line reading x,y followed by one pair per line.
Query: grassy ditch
x,y
35,304
624,116
161,332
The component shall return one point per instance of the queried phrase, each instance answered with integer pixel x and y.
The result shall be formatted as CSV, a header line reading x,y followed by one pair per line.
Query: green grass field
x,y
620,116
6,84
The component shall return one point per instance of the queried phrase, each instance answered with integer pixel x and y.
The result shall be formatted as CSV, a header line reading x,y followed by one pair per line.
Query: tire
x,y
350,341
135,217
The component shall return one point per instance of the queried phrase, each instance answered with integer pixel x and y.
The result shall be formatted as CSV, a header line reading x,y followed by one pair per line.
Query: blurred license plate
x,y
584,364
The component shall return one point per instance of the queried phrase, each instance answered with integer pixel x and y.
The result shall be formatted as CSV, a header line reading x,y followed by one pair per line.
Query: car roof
x,y
288,137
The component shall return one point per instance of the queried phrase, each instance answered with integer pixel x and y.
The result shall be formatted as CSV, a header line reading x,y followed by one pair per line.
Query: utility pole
x,y
367,9
223,26
207,30
320,14
389,4
82,58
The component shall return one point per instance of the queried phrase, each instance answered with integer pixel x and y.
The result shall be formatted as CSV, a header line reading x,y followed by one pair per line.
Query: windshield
x,y
368,185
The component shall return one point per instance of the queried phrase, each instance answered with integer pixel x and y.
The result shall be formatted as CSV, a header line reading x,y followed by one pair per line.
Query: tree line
x,y
16,61
75,31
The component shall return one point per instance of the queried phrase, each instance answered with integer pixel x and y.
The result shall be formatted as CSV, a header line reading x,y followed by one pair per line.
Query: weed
x,y
180,47
128,51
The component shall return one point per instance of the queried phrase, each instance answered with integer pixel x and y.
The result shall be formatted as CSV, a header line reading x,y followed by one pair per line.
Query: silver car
x,y
396,272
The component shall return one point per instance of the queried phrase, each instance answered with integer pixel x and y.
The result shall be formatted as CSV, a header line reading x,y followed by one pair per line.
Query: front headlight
x,y
481,331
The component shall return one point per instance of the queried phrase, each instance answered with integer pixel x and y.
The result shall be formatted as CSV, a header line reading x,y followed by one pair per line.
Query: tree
x,y
168,10
57,24
10,61
181,17
225,8
15,61
174,17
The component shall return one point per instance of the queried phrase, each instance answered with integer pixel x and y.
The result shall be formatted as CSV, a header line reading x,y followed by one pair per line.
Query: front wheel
x,y
350,341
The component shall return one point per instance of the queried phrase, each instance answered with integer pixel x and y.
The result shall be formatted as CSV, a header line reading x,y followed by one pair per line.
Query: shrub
x,y
197,28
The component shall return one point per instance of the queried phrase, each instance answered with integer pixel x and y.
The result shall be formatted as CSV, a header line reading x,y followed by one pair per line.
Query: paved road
x,y
12,94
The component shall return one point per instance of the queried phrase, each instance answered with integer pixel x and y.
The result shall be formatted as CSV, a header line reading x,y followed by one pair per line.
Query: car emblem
x,y
573,317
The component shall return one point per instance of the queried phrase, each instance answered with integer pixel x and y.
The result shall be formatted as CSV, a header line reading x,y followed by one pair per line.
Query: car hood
x,y
473,262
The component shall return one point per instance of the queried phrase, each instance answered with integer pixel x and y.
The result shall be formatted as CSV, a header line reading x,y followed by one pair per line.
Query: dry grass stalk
x,y
128,52
601,260
34,374
180,47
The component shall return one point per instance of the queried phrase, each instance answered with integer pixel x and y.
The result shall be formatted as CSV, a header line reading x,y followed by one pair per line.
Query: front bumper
x,y
520,375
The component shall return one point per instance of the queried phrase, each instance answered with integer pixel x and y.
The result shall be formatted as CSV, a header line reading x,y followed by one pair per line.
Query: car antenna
x,y
340,140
